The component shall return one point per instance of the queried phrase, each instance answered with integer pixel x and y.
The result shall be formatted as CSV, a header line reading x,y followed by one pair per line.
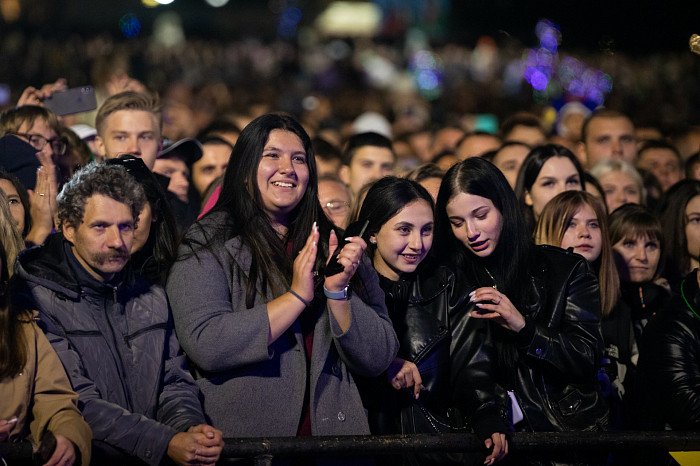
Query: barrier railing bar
x,y
265,449
519,442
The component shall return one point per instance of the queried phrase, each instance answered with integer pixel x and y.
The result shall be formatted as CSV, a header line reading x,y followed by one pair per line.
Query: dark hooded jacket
x,y
118,346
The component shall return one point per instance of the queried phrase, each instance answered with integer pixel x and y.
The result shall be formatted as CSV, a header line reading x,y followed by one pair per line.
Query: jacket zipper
x,y
128,338
120,361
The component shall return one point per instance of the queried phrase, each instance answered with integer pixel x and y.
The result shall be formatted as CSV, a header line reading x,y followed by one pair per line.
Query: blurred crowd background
x,y
422,63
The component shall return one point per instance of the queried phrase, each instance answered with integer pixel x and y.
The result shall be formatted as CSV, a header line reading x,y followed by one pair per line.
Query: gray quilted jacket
x,y
118,346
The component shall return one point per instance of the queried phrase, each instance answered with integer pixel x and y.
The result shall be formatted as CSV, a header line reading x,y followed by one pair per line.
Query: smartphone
x,y
72,101
354,229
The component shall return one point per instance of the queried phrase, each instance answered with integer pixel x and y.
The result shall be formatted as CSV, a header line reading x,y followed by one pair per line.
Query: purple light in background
x,y
548,42
537,79
427,80
595,96
576,88
605,83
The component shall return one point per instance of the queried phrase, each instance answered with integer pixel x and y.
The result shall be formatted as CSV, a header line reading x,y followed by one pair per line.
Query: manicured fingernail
x,y
349,238
479,305
415,396
315,228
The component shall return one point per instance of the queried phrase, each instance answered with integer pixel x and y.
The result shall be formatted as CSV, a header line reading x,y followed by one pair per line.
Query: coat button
x,y
148,453
341,416
336,368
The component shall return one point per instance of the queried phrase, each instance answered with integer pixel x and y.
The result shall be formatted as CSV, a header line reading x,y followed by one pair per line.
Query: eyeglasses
x,y
337,207
38,142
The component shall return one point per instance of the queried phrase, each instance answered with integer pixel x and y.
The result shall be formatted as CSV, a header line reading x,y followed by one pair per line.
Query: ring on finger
x,y
500,298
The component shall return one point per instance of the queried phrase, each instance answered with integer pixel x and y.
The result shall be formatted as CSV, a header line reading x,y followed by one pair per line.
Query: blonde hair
x,y
552,225
10,236
128,100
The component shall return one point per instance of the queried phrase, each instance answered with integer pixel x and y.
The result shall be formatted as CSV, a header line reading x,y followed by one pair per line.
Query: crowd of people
x,y
267,274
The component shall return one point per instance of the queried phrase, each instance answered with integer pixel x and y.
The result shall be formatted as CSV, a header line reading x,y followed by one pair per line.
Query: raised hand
x,y
34,96
303,278
349,257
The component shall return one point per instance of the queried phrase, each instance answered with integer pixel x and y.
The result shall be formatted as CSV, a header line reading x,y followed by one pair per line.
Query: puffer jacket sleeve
x,y
178,404
370,344
54,404
566,338
132,433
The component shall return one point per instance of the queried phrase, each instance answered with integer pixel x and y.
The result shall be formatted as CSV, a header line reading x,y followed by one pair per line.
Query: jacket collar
x,y
54,266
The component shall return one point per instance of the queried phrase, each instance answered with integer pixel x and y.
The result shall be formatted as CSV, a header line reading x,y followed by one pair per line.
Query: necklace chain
x,y
494,286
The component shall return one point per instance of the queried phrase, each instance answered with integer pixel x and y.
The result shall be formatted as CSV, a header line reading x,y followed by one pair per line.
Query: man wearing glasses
x,y
37,127
334,197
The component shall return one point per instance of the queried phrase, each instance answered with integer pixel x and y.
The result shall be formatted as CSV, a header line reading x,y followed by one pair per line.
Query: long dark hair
x,y
13,348
240,200
530,170
385,199
509,261
673,220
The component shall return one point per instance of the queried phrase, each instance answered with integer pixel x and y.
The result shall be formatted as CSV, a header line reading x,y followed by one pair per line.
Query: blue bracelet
x,y
306,303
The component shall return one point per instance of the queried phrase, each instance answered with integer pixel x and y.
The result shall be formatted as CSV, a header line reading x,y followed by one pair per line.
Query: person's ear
x,y
344,174
373,239
528,198
100,146
68,231
581,153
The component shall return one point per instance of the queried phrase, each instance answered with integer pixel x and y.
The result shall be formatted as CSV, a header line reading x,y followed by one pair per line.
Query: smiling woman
x,y
417,393
266,331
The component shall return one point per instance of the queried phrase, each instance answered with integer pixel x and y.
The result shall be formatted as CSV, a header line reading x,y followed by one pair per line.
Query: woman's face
x,y
404,240
692,227
16,207
476,222
558,174
143,229
637,258
283,174
583,234
619,189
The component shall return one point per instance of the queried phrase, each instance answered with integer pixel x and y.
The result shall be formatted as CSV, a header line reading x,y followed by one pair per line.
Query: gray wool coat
x,y
251,389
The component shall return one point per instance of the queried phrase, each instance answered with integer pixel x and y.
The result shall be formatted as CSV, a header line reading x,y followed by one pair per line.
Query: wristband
x,y
343,294
306,303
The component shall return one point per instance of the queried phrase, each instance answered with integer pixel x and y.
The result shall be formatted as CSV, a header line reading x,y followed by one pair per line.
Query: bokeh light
x,y
289,20
565,78
216,3
130,26
428,73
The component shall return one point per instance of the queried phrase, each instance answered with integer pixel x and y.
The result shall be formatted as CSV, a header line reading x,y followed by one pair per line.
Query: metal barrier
x,y
264,450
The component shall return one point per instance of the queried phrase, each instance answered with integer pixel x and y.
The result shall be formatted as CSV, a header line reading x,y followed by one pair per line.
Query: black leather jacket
x,y
427,309
551,364
669,362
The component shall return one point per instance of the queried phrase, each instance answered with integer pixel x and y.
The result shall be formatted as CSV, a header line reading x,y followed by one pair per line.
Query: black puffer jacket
x,y
669,363
551,364
118,346
427,309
